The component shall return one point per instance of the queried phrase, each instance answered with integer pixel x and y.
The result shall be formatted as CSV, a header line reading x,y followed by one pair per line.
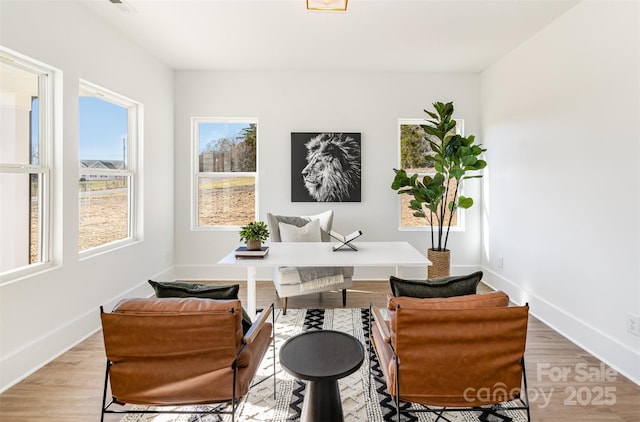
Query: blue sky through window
x,y
103,126
215,131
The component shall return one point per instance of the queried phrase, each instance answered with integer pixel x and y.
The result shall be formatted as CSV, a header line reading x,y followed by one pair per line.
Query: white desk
x,y
320,254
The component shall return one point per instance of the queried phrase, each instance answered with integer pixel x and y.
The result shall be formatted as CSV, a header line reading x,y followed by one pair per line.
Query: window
x,y
413,148
107,146
26,135
26,92
225,172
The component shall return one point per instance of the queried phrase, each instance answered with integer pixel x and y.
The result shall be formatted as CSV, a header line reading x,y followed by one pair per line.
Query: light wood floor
x,y
70,388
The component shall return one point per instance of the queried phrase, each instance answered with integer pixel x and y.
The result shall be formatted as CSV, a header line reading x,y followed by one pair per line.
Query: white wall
x,y
44,314
285,102
560,118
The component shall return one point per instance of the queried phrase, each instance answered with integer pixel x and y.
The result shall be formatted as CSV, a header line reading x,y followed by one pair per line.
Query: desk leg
x,y
251,291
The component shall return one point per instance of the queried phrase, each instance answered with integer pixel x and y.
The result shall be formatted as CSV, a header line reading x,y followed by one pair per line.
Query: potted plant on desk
x,y
436,197
254,234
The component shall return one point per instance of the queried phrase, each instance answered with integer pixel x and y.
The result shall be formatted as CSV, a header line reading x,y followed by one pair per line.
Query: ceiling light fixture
x,y
123,6
327,5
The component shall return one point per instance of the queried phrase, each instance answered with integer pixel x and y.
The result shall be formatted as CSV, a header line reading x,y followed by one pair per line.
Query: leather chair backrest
x,y
163,348
456,351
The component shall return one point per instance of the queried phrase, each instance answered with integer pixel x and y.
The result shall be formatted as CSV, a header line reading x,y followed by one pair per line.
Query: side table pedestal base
x,y
322,402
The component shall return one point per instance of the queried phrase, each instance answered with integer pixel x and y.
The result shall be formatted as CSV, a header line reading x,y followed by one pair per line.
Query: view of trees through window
x,y
413,149
227,170
230,154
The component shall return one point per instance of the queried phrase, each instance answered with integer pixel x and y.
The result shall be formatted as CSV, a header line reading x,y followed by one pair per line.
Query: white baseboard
x,y
599,344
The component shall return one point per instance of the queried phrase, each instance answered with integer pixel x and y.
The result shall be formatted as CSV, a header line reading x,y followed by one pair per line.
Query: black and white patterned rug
x,y
362,399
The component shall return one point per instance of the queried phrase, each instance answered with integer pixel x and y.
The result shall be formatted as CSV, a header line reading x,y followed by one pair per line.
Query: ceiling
x,y
372,35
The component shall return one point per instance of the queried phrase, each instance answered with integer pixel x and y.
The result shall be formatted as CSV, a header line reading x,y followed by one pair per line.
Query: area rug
x,y
362,399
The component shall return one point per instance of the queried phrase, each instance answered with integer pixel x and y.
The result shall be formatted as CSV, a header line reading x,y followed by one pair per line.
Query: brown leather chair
x,y
455,353
181,351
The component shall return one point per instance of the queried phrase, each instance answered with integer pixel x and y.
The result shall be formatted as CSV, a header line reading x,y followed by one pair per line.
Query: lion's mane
x,y
333,167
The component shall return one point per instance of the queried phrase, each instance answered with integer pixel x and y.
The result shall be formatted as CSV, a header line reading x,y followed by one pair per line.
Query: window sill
x,y
22,273
107,248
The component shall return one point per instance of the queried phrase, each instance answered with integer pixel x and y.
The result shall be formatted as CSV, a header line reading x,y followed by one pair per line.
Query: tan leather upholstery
x,y
462,351
174,351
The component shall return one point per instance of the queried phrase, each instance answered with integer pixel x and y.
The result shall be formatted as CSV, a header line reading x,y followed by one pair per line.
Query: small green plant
x,y
256,230
453,156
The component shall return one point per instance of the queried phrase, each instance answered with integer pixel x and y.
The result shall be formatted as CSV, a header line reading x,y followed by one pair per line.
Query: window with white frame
x,y
225,172
413,149
26,141
108,132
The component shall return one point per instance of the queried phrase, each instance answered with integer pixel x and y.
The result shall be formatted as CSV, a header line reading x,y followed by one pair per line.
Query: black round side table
x,y
322,358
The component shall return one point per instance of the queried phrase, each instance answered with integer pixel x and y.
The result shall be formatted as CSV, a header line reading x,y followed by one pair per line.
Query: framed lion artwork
x,y
325,167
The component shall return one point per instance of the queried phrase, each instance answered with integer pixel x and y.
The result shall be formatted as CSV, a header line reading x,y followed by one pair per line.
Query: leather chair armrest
x,y
257,325
380,324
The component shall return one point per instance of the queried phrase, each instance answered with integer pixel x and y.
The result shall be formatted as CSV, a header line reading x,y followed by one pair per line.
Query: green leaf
x,y
438,178
464,151
456,172
450,126
469,160
433,207
397,183
433,115
415,204
464,202
434,131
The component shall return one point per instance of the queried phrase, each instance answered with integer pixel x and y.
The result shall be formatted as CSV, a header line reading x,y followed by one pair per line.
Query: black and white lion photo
x,y
325,167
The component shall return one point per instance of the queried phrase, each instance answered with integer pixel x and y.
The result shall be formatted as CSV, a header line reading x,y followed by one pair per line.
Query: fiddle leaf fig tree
x,y
453,156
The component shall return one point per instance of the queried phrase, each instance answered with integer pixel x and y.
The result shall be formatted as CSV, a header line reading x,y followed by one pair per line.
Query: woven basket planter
x,y
441,263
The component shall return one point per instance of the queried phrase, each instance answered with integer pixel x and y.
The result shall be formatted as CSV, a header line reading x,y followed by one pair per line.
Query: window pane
x,y
104,210
18,136
413,149
106,169
226,201
21,195
35,131
20,218
227,147
103,134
